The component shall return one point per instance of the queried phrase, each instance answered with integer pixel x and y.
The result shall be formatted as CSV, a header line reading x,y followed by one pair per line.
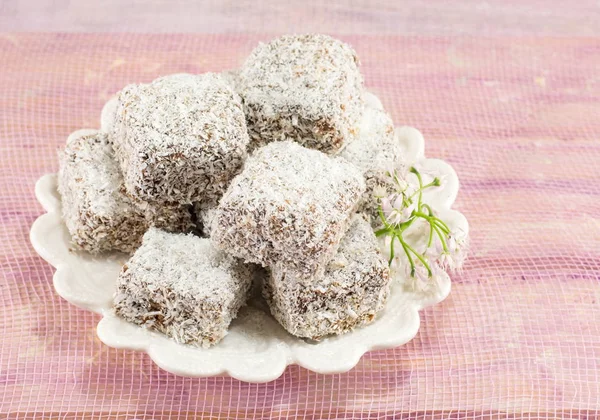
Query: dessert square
x,y
375,152
99,215
290,206
302,87
183,287
351,292
180,138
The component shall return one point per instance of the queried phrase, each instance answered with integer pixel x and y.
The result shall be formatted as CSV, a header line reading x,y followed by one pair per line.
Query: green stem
x,y
382,217
392,250
442,228
435,220
381,231
442,239
419,256
394,176
436,226
444,225
431,184
403,226
410,260
428,209
430,234
420,191
423,260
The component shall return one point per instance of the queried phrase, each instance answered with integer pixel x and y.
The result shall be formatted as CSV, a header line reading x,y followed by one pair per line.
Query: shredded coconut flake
x,y
352,290
180,285
304,87
99,215
180,138
290,206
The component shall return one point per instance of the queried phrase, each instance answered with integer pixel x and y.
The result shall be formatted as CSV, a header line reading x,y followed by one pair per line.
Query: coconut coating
x,y
180,138
302,87
290,206
183,287
99,214
353,289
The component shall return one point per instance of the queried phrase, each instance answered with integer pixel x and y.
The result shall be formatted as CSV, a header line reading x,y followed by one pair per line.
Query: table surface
x,y
507,94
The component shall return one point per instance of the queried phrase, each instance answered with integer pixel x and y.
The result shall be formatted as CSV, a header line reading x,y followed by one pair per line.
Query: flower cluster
x,y
400,209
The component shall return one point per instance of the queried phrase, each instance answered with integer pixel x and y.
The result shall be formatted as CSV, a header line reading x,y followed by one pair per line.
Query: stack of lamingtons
x,y
204,178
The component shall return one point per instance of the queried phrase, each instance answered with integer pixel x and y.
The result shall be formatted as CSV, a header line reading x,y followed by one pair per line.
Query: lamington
x,y
290,206
353,289
182,286
302,87
180,138
375,152
97,211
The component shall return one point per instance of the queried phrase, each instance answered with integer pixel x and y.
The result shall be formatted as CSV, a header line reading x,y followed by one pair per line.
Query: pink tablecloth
x,y
517,117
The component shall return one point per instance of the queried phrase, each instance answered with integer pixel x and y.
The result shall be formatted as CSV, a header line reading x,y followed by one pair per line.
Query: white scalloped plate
x,y
256,349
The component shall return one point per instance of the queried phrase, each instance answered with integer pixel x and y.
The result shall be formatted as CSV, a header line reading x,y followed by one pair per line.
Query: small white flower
x,y
401,185
422,279
435,250
408,273
419,277
461,252
379,191
447,261
386,204
454,258
391,171
397,174
394,209
407,211
421,273
436,275
451,243
424,270
410,190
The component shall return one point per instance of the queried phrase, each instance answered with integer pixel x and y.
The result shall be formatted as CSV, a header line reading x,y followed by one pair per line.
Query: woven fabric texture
x,y
517,117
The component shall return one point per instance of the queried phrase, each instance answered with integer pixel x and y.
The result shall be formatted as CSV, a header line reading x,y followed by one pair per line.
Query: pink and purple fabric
x,y
506,92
